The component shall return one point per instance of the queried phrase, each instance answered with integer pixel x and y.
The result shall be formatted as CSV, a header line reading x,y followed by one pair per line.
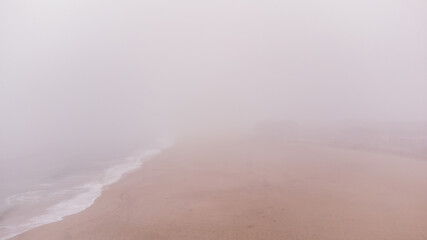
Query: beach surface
x,y
251,188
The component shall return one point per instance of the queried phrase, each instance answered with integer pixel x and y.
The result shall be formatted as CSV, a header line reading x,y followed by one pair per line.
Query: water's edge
x,y
89,193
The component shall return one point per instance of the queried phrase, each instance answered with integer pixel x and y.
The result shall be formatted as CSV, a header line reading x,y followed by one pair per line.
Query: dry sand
x,y
255,189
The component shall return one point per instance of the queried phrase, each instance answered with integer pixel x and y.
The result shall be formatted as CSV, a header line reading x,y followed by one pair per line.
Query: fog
x,y
103,75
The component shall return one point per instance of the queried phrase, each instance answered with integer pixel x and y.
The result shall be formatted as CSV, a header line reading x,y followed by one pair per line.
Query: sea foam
x,y
85,195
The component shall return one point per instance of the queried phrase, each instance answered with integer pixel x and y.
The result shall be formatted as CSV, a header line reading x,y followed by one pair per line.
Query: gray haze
x,y
79,74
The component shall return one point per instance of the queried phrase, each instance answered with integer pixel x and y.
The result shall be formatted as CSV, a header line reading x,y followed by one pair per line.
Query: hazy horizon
x,y
76,74
86,62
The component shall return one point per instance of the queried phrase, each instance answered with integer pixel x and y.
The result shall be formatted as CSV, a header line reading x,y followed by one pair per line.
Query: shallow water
x,y
49,201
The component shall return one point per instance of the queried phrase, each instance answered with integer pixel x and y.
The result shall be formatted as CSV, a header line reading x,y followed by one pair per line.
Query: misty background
x,y
84,81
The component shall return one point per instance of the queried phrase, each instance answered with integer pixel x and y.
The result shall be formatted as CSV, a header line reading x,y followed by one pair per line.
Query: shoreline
x,y
87,194
254,189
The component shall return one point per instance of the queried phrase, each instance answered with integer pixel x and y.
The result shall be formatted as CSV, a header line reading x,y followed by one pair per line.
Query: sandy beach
x,y
247,188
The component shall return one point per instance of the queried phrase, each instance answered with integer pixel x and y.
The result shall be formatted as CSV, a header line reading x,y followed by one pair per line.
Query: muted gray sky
x,y
120,66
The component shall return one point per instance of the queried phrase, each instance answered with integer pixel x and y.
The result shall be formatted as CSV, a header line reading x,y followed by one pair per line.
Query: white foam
x,y
87,195
27,197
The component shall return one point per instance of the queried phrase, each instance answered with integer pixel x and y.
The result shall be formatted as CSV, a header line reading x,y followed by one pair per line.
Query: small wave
x,y
87,194
27,197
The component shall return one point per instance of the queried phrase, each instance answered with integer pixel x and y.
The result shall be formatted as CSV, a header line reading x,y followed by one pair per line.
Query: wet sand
x,y
247,188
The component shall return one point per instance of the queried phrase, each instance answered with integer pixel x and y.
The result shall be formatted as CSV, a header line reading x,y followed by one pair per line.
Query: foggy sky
x,y
111,69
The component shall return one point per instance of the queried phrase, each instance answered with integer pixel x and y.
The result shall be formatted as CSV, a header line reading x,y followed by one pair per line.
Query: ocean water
x,y
49,200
